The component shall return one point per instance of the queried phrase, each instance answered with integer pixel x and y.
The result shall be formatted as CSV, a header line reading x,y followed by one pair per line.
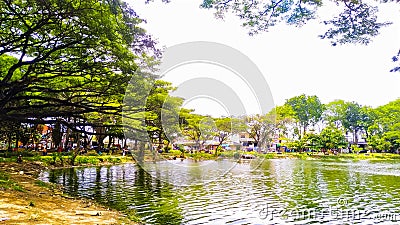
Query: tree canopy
x,y
356,22
68,59
308,110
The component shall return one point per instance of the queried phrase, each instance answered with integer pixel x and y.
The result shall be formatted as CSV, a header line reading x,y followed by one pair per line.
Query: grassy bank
x,y
55,160
289,155
321,156
64,159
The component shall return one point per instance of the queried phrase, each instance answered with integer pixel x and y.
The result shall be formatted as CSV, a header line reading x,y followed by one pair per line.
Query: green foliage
x,y
335,112
175,153
92,153
202,156
131,215
162,112
356,22
355,148
16,187
57,157
196,127
311,141
23,153
69,62
332,138
4,176
261,128
222,130
352,116
167,149
236,155
307,109
218,149
181,149
384,129
87,160
44,184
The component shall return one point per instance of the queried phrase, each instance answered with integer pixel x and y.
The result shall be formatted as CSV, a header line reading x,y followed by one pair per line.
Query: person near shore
x,y
19,159
44,151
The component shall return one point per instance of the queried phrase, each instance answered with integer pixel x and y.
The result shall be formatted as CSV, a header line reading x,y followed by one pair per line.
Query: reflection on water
x,y
281,191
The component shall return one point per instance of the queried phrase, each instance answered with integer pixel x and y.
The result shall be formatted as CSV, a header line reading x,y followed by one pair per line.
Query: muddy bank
x,y
29,201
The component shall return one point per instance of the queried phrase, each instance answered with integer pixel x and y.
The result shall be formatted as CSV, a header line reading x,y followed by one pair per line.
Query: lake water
x,y
277,191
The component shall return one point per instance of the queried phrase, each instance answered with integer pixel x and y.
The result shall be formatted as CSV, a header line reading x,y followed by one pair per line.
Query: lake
x,y
276,191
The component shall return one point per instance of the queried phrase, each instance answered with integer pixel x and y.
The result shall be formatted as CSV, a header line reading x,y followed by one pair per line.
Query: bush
x,y
114,160
87,160
175,152
355,148
47,160
202,155
92,153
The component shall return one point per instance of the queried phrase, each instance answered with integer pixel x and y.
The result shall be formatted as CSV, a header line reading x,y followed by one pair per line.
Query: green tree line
x,y
303,122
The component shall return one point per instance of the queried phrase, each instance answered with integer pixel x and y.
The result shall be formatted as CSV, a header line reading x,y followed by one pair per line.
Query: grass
x,y
131,215
292,155
61,160
348,156
7,183
45,184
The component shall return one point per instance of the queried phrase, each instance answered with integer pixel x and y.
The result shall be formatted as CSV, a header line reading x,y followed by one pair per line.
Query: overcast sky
x,y
292,60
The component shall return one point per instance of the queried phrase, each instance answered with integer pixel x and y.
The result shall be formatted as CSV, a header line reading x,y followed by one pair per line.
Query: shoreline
x,y
27,200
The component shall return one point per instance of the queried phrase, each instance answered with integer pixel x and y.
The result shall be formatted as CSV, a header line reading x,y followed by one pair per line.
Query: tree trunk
x,y
9,141
109,141
141,152
355,138
136,145
68,133
16,140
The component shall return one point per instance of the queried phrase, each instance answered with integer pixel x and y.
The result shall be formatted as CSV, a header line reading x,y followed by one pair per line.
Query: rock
x,y
97,214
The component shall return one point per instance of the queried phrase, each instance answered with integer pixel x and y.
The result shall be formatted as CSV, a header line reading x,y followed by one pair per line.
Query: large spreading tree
x,y
68,59
308,111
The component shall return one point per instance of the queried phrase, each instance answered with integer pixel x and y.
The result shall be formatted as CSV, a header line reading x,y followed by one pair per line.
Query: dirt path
x,y
43,205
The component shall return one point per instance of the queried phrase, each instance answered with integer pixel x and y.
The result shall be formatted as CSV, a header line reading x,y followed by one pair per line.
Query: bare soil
x,y
44,205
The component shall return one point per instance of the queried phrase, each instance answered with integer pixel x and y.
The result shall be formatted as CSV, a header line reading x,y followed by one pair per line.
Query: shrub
x,y
175,152
92,153
87,160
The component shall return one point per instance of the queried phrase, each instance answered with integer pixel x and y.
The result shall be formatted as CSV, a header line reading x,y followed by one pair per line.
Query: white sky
x,y
293,60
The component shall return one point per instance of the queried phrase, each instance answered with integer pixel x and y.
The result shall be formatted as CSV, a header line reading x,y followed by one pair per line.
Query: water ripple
x,y
280,191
